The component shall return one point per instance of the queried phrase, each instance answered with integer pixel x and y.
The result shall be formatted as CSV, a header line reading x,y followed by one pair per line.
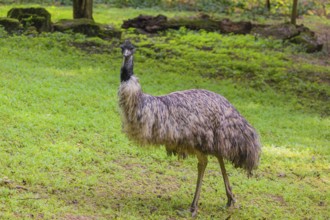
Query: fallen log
x,y
147,23
151,24
293,33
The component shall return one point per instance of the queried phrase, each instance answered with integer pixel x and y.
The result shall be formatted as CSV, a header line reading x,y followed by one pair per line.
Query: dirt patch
x,y
277,198
79,217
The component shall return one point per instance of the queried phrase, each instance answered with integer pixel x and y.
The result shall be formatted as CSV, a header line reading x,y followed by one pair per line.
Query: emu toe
x,y
193,211
231,202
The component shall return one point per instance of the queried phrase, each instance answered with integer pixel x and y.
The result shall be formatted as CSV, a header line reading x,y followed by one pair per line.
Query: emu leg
x,y
202,163
230,196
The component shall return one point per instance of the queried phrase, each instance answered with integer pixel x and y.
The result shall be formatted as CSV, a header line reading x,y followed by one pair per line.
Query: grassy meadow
x,y
63,155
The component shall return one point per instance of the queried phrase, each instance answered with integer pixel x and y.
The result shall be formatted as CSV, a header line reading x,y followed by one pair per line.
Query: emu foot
x,y
231,202
193,210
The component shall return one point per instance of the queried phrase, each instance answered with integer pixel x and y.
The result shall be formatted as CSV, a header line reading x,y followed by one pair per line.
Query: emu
x,y
192,122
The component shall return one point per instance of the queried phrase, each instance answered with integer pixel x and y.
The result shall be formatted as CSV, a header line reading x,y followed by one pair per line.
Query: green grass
x,y
63,155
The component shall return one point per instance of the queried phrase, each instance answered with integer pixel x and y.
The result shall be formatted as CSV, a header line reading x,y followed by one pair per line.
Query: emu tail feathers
x,y
242,148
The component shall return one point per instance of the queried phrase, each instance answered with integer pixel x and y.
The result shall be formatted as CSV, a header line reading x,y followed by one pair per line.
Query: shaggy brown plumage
x,y
191,122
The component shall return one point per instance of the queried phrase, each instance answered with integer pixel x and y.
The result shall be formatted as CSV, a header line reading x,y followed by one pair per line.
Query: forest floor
x,y
63,155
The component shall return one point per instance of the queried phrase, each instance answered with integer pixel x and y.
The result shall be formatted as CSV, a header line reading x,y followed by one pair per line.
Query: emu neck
x,y
126,69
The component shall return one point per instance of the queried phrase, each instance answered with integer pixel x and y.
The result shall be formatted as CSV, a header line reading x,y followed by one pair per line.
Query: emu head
x,y
127,49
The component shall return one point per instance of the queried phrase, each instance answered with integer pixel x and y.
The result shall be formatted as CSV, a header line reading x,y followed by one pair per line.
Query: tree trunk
x,y
294,12
268,5
83,9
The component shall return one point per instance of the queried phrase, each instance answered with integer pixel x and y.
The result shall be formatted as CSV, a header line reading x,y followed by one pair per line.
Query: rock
x,y
308,40
39,18
297,34
84,26
87,27
10,24
280,31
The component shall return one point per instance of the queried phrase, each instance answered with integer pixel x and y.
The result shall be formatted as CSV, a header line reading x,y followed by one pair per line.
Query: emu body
x,y
191,122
